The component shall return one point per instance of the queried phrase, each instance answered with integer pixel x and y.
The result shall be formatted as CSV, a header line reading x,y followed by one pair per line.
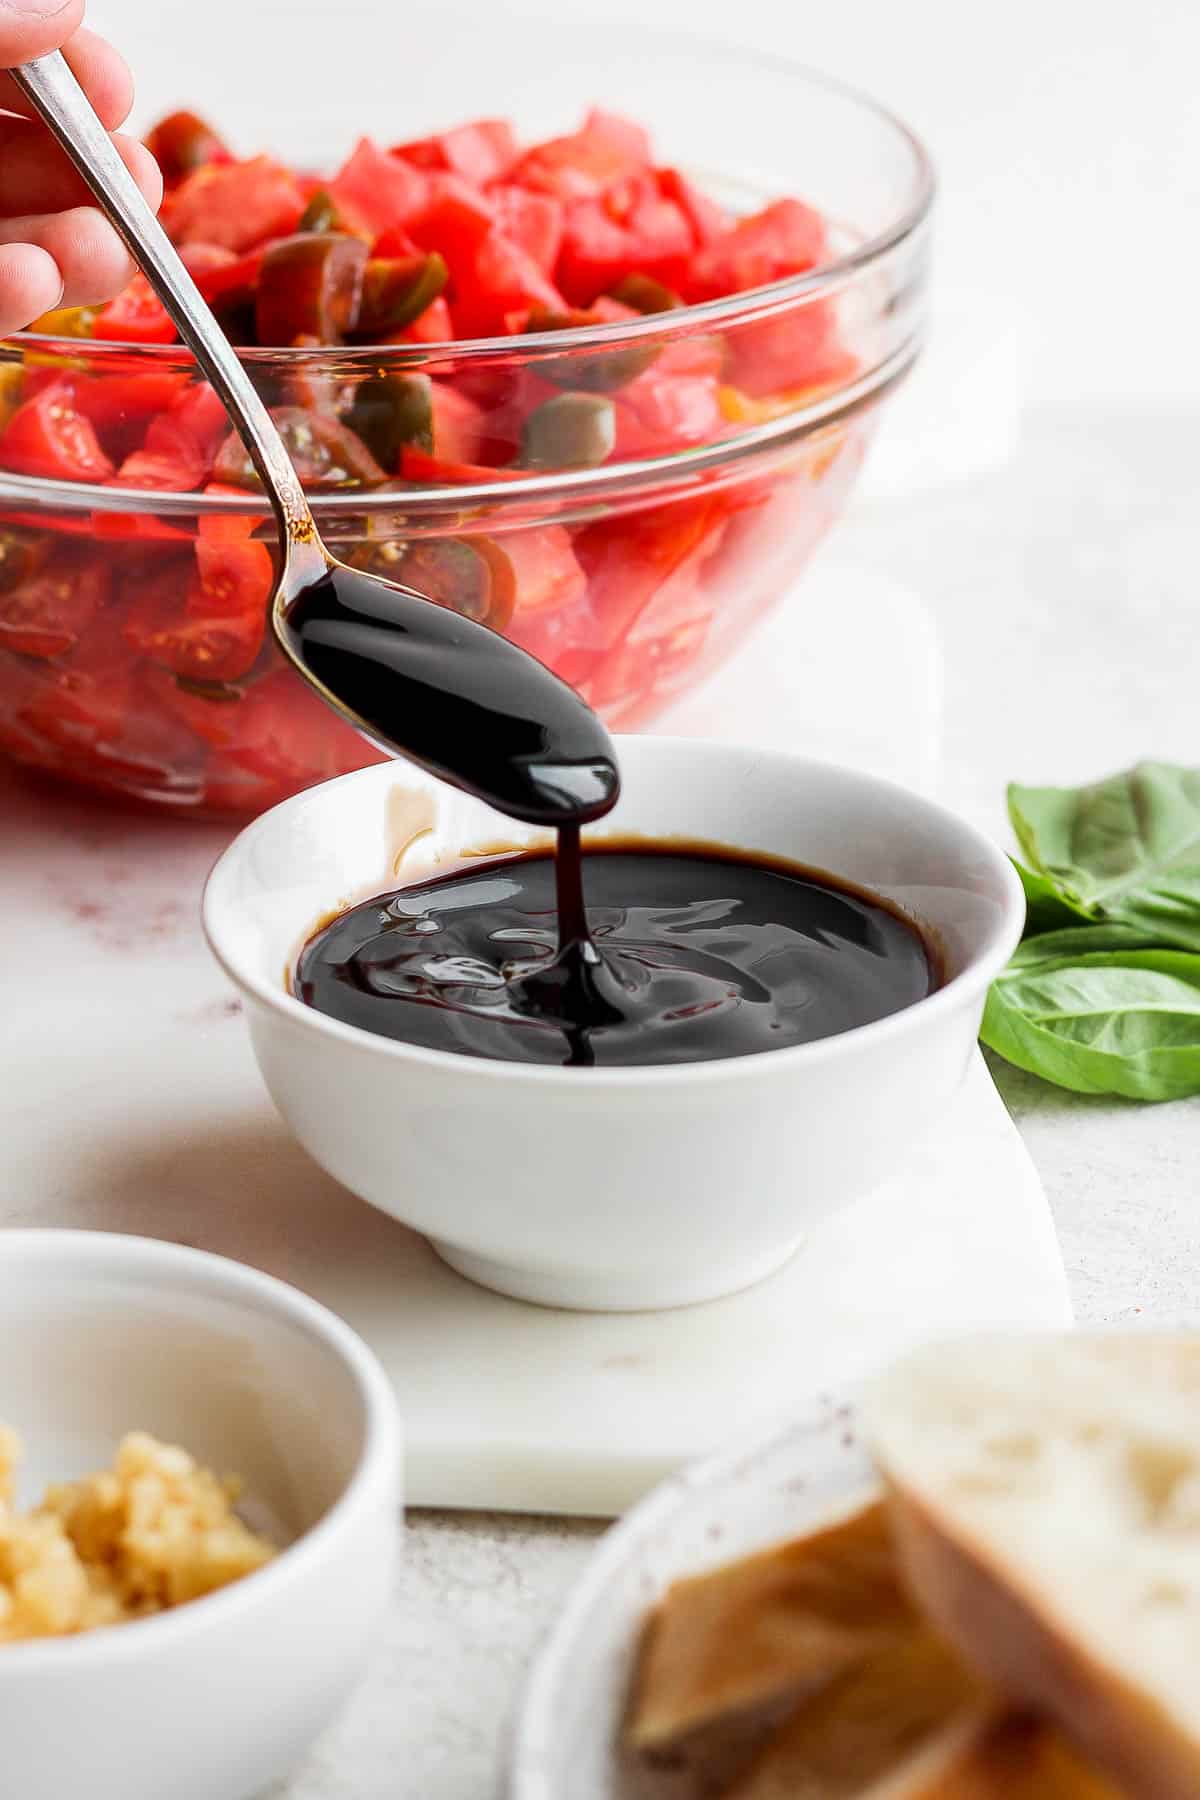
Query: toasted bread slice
x,y
766,1629
1012,1759
1045,1499
907,1713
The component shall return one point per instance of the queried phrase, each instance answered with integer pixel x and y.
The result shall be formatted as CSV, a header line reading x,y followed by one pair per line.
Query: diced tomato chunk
x,y
180,444
481,151
46,614
205,619
541,565
49,436
799,349
584,163
534,221
433,326
625,135
155,469
786,238
201,259
136,316
459,424
234,205
289,736
122,407
455,219
631,229
660,412
233,281
706,218
182,143
500,278
419,465
628,562
374,191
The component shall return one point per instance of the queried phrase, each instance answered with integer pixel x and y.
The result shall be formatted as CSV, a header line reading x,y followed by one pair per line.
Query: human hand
x,y
54,249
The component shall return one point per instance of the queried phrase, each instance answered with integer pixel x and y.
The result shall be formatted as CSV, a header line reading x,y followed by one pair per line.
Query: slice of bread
x,y
905,1716
1045,1501
751,1637
1013,1759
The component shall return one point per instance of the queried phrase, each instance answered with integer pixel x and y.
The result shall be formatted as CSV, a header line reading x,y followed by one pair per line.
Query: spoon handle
x,y
52,88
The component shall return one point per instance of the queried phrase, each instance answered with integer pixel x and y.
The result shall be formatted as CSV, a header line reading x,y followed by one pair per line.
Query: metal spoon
x,y
413,676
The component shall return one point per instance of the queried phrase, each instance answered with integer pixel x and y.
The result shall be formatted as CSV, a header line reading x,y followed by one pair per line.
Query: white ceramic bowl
x,y
565,1742
613,1188
102,1334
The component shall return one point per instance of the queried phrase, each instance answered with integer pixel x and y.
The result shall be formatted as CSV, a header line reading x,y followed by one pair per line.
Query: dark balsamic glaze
x,y
682,953
694,952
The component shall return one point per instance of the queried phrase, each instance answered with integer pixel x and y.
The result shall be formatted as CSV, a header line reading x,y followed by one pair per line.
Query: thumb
x,y
30,28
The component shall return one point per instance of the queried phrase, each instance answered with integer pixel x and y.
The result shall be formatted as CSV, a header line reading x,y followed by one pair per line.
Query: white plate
x,y
564,1744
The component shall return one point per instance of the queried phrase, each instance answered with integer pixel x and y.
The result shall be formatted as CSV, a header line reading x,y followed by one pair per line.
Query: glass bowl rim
x,y
681,470
909,218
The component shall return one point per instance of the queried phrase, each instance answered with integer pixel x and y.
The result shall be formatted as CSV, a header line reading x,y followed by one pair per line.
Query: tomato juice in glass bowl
x,y
667,395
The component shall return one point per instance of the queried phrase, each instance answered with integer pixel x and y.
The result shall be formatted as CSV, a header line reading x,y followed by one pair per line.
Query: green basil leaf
x,y
1121,1021
1126,849
1078,941
1045,907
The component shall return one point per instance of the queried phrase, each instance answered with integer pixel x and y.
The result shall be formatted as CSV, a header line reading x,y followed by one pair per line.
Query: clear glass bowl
x,y
633,579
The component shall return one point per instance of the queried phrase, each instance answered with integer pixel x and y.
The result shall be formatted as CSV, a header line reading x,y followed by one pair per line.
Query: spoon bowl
x,y
417,679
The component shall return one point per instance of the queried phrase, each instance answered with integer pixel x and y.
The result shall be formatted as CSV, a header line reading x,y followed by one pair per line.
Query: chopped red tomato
x,y
46,614
706,218
374,191
195,423
122,407
786,238
136,316
660,412
433,326
419,465
455,220
182,143
801,349
154,469
208,709
86,703
290,737
232,283
459,424
134,528
629,561
480,152
180,445
534,221
630,229
501,278
201,259
585,163
234,205
536,566
49,436
205,621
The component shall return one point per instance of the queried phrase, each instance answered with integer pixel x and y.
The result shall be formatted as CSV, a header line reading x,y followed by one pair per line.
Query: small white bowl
x,y
100,1335
613,1188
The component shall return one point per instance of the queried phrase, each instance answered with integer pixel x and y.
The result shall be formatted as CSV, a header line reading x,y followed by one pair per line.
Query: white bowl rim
x,y
531,1729
378,1462
640,1077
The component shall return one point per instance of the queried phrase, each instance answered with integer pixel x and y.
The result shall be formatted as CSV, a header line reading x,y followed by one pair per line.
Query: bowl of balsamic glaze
x,y
627,1068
